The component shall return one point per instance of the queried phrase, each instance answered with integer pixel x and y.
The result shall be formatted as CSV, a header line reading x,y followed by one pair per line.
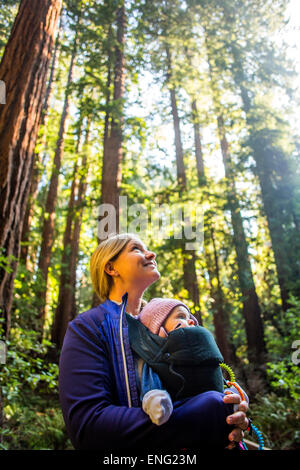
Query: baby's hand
x,y
157,404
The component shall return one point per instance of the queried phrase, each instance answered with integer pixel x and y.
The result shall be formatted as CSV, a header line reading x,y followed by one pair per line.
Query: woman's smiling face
x,y
136,264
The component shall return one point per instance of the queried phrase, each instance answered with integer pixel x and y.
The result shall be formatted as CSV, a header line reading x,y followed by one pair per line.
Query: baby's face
x,y
179,318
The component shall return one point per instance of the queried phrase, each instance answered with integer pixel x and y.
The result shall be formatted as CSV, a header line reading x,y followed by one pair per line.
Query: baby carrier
x,y
187,361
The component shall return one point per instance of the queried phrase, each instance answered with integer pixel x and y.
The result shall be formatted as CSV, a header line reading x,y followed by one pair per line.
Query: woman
x,y
97,377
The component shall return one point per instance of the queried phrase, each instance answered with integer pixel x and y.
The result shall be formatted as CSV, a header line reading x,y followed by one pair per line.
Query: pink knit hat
x,y
155,312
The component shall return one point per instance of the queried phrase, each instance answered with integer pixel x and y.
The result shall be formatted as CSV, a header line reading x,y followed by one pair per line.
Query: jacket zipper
x,y
124,356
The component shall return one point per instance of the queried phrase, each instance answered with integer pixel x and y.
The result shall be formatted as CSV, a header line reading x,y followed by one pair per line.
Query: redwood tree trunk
x,y
190,281
181,177
279,210
113,152
66,308
24,69
35,178
49,215
198,146
220,316
251,308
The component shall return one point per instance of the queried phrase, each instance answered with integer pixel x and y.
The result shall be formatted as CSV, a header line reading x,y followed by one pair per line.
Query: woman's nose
x,y
150,255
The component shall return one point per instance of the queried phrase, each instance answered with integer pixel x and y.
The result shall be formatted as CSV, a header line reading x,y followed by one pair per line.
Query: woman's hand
x,y
237,419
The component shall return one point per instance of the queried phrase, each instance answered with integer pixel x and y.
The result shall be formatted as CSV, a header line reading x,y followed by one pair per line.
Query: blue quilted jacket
x,y
100,399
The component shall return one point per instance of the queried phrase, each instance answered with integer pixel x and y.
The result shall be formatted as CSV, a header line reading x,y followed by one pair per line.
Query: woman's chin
x,y
154,276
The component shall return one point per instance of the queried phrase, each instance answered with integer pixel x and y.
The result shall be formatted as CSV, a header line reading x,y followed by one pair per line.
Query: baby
x,y
176,357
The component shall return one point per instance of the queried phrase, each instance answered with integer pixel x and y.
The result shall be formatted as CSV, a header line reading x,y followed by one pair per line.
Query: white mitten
x,y
157,404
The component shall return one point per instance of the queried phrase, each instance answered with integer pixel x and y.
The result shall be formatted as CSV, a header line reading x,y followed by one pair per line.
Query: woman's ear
x,y
109,269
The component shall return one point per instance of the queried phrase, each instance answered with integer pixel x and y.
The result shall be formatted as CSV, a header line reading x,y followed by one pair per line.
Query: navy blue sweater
x,y
100,400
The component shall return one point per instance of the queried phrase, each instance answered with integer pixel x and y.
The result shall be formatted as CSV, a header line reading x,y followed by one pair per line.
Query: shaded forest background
x,y
168,103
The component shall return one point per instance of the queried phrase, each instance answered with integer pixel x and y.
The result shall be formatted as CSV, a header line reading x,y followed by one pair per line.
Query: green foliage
x,y
27,303
28,380
32,429
8,12
6,261
277,413
285,377
283,367
278,419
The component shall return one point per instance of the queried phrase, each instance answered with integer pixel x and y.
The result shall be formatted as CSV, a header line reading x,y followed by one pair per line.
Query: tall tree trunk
x,y
278,212
251,308
113,152
113,125
220,316
286,268
62,314
181,176
35,176
198,145
24,69
190,281
66,308
104,188
49,215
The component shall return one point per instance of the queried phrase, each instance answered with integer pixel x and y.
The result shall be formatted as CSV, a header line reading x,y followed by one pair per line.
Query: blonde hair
x,y
107,250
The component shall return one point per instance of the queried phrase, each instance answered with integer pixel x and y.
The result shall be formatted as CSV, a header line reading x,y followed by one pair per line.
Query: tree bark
x,y
66,308
251,308
279,211
220,316
112,151
190,280
181,176
198,145
105,175
49,215
24,69
35,176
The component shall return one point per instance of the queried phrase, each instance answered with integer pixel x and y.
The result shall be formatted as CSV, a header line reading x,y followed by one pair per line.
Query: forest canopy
x,y
181,118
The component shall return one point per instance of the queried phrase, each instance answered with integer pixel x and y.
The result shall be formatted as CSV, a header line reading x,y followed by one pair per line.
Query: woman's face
x,y
136,264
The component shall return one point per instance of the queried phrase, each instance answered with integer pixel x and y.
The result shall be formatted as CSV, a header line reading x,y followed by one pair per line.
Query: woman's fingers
x,y
236,435
238,419
233,398
243,406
